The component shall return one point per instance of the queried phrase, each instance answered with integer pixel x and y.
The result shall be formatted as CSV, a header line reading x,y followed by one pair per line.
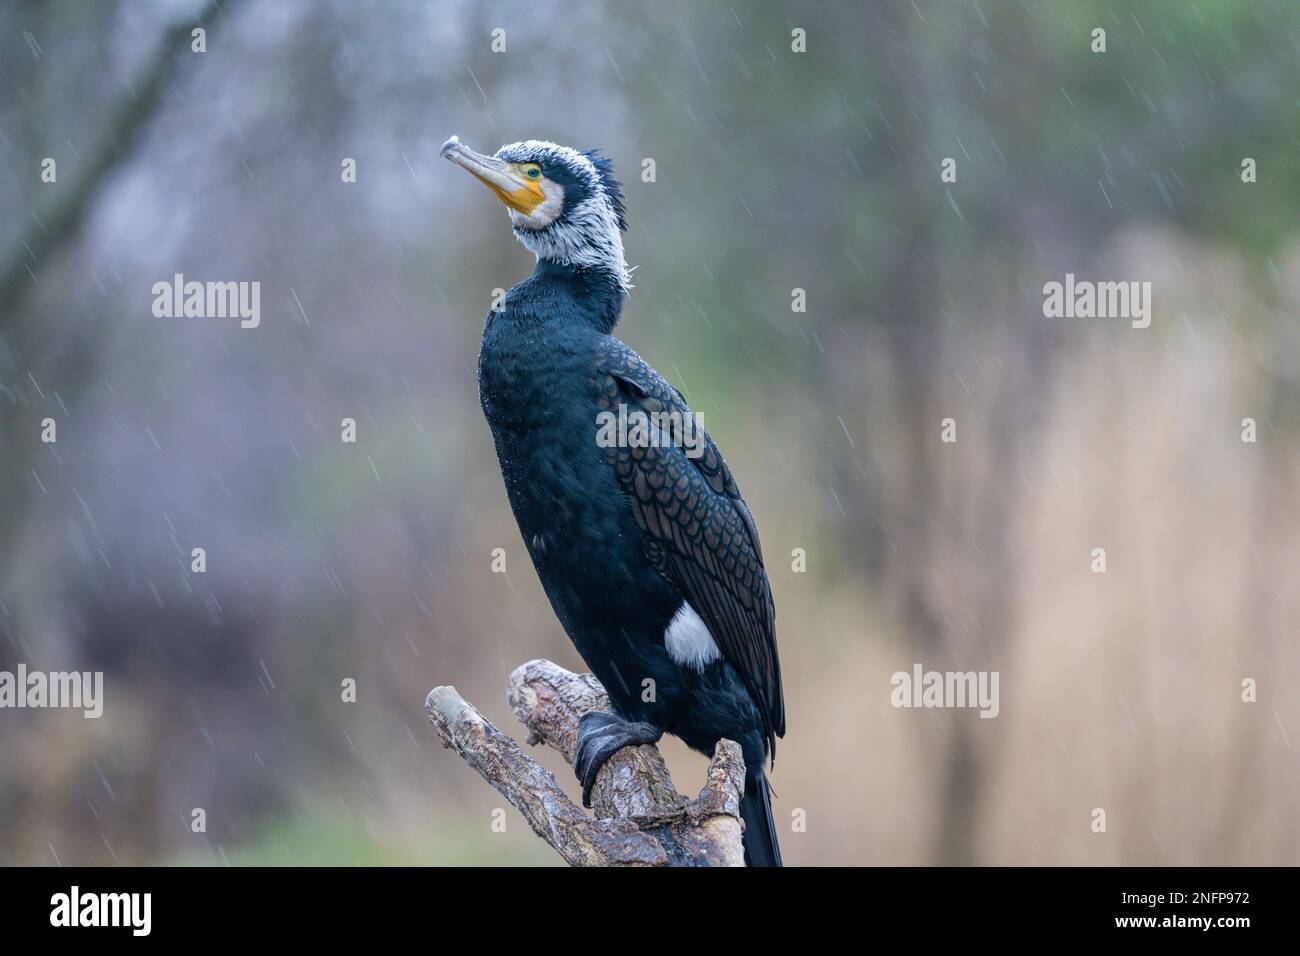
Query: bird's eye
x,y
533,172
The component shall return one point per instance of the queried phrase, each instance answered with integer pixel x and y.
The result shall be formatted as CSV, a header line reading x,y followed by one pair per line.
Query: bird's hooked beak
x,y
510,184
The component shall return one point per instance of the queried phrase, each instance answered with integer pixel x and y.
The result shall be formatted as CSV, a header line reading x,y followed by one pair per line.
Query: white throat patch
x,y
688,639
546,213
589,235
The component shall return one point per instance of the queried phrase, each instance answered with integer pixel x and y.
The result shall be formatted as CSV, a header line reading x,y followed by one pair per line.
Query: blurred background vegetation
x,y
775,170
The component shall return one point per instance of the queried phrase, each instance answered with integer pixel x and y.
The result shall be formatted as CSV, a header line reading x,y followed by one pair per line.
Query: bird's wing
x,y
701,535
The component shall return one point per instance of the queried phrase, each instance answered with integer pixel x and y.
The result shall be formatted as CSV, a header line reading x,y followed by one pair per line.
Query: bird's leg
x,y
600,736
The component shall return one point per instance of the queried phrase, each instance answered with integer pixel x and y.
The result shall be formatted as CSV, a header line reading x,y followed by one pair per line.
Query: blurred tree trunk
x,y
60,211
923,524
914,501
56,212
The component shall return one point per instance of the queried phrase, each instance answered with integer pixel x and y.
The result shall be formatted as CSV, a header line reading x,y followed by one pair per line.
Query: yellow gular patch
x,y
524,198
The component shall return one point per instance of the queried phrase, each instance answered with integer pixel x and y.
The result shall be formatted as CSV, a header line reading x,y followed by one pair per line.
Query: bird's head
x,y
566,206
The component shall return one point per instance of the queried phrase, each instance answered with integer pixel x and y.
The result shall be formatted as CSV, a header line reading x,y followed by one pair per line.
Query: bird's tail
x,y
761,848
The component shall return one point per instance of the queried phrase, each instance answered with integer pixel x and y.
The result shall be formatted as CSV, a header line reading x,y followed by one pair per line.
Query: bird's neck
x,y
599,289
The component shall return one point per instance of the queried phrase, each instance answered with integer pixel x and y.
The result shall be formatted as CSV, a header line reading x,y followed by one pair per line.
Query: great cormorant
x,y
646,549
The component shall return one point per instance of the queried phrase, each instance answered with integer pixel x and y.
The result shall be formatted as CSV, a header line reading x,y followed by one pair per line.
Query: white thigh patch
x,y
688,639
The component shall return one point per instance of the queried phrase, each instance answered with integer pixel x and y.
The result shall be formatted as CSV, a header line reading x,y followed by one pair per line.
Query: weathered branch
x,y
640,819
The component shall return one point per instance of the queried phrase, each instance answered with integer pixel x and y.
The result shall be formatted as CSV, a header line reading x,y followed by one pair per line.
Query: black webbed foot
x,y
600,736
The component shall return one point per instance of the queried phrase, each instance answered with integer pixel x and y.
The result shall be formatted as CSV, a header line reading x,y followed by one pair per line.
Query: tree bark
x,y
639,820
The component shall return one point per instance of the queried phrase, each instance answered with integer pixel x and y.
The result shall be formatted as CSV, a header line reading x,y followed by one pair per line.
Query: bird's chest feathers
x,y
538,392
539,395
508,393
521,379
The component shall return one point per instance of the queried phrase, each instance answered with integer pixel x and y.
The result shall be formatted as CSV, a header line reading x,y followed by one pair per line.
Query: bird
x,y
646,549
